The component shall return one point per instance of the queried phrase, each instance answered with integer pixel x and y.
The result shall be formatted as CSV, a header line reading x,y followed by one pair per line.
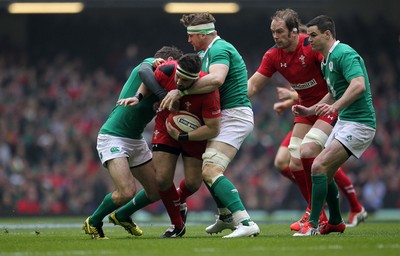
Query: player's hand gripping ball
x,y
184,121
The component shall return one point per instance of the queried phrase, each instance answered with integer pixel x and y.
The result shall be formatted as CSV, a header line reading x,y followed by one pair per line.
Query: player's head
x,y
187,71
321,32
324,24
285,27
168,52
200,29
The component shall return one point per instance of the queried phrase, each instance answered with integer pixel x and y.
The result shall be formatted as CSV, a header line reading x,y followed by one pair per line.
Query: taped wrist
x,y
139,96
183,136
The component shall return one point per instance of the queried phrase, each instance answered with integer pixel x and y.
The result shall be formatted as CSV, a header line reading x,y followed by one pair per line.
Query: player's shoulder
x,y
272,53
168,68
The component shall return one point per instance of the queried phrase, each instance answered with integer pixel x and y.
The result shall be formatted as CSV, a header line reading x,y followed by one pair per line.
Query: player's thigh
x,y
120,173
193,171
300,130
165,164
224,148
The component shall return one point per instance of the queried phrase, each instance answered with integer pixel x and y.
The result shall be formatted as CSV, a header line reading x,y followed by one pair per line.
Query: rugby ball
x,y
184,121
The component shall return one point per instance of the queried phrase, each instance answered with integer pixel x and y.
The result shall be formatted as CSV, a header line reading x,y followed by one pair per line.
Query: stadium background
x,y
60,76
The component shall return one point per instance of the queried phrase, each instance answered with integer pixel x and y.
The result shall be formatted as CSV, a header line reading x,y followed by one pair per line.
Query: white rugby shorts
x,y
236,125
356,137
111,147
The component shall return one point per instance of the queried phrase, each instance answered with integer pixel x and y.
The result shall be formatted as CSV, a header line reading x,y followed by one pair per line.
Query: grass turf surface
x,y
41,237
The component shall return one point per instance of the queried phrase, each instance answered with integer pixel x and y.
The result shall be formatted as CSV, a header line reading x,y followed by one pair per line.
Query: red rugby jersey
x,y
302,68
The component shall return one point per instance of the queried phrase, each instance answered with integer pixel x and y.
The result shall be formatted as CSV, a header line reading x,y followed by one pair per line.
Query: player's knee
x,y
162,182
294,147
214,165
193,184
121,197
280,163
318,167
313,143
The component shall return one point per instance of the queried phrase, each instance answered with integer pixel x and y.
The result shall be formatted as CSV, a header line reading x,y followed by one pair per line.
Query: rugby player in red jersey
x,y
169,143
293,57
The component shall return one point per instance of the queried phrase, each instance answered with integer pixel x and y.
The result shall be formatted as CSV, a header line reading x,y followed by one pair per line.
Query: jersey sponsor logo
x,y
115,150
305,85
283,65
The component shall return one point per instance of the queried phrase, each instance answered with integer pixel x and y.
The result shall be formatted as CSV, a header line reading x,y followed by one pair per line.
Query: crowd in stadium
x,y
52,108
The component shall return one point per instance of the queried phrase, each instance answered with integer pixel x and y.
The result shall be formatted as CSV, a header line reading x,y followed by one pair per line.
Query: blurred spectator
x,y
130,60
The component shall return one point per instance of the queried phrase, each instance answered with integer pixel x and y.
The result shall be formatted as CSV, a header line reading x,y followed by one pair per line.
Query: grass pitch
x,y
55,236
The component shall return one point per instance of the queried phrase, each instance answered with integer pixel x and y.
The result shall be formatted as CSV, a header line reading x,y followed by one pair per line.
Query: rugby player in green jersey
x,y
125,153
227,72
350,95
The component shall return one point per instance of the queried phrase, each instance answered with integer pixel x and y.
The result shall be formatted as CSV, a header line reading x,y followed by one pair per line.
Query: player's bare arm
x,y
286,93
355,90
281,106
132,101
255,84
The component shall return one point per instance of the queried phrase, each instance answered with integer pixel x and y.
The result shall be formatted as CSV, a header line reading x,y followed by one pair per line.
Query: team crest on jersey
x,y
155,133
302,58
187,106
330,66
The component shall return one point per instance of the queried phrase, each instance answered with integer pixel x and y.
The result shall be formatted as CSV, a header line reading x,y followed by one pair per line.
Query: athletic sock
x,y
319,193
107,206
183,191
345,185
170,198
288,174
138,202
218,202
227,194
332,199
307,164
301,182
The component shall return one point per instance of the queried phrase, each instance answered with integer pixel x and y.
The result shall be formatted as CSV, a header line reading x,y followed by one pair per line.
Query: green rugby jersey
x,y
341,66
233,93
129,122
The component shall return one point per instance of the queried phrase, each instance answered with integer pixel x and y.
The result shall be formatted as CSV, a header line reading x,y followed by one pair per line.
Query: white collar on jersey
x,y
330,50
